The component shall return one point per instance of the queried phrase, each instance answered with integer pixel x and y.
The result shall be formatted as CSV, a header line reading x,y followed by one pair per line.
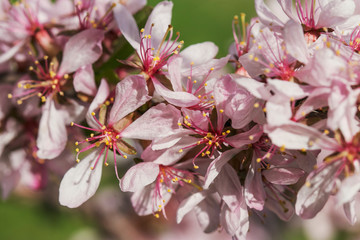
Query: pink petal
x,y
161,18
188,205
138,176
52,135
158,122
179,99
313,196
100,98
207,213
350,212
295,41
283,176
134,5
82,49
144,202
84,81
198,53
127,25
80,182
350,186
130,94
228,186
335,12
245,138
215,166
174,69
254,188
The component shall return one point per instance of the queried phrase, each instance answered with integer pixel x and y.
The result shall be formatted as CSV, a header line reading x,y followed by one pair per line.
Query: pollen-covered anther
x,y
256,105
196,166
78,160
282,148
326,132
181,150
251,137
258,160
10,96
221,110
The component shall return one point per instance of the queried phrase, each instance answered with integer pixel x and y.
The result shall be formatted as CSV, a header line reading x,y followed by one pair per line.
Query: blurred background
x,y
28,215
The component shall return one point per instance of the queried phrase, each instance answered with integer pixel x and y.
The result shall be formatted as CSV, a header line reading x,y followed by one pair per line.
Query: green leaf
x,y
12,2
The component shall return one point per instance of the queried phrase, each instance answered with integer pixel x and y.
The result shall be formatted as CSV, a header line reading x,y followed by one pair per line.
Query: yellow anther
x,y
236,17
19,102
227,131
271,65
199,96
198,142
259,47
282,149
256,59
106,164
251,137
125,156
303,113
256,105
72,124
205,84
43,99
303,150
180,151
179,123
117,137
91,135
77,160
311,143
326,132
187,117
142,30
36,62
161,180
207,152
10,96
31,68
77,149
66,76
189,181
258,160
292,99
308,184
92,168
212,69
210,142
156,215
169,190
192,63
194,81
196,166
46,57
76,143
264,109
221,110
103,127
328,44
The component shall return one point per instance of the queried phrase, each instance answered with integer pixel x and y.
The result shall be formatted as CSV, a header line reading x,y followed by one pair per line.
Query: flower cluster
x,y
279,134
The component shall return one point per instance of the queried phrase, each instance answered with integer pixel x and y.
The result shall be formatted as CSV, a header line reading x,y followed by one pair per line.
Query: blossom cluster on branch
x,y
280,133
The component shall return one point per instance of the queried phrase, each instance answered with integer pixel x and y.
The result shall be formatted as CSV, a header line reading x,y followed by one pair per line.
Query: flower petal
x,y
80,182
158,122
130,94
82,49
138,176
84,81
